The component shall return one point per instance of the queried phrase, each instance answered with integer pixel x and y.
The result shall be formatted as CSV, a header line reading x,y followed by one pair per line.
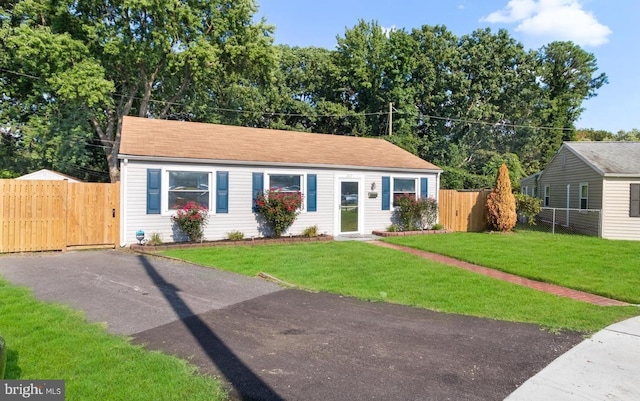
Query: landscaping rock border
x,y
404,233
245,242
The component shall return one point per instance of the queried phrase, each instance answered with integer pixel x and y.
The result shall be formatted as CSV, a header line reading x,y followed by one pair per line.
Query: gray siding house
x,y
592,175
164,163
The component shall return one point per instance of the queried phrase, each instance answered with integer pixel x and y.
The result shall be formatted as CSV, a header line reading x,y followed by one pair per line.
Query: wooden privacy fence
x,y
462,210
55,215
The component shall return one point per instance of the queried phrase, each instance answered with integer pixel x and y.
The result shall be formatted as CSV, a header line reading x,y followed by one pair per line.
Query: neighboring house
x,y
348,183
45,174
529,185
604,176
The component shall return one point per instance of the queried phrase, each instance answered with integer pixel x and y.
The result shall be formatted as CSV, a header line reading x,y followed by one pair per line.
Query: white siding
x,y
615,214
375,217
240,216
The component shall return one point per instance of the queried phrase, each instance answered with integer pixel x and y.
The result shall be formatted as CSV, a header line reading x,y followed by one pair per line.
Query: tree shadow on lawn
x,y
244,381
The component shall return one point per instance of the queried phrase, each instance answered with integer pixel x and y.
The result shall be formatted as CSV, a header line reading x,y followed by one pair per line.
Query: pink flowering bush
x,y
279,209
191,220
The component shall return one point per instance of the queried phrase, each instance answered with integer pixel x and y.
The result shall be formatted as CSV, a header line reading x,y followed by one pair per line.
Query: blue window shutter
x,y
153,190
311,193
258,187
222,192
424,186
386,193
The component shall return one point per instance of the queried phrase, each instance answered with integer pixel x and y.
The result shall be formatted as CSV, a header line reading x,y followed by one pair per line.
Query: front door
x,y
349,201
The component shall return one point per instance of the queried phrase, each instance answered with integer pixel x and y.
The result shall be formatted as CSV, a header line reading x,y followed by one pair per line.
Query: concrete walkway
x,y
512,278
603,367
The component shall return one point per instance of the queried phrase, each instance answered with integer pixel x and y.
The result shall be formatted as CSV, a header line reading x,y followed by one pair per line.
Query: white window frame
x,y
164,197
303,184
416,183
580,197
547,196
525,190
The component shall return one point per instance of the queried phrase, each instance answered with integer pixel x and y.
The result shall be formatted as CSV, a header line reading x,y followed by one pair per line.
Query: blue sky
x,y
606,28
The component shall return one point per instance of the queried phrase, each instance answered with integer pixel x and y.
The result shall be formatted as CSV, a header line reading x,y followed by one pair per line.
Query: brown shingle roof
x,y
188,140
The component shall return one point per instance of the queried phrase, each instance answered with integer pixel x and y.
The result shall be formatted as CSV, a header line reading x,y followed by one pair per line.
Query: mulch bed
x,y
226,242
403,233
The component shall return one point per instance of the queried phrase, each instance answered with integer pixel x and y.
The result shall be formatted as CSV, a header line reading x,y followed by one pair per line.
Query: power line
x,y
19,73
282,114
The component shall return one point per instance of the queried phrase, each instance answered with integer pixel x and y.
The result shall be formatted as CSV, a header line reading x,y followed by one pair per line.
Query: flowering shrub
x,y
279,209
191,220
415,214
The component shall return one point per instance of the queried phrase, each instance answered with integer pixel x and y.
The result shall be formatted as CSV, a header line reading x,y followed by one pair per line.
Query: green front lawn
x,y
595,265
369,272
49,342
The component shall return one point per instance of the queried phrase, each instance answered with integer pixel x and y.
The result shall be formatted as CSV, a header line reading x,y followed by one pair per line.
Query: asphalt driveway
x,y
274,344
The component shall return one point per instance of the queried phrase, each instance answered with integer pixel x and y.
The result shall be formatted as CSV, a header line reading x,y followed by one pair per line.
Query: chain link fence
x,y
569,221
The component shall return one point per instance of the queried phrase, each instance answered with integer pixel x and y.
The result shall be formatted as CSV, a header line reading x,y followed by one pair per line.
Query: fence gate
x,y
54,215
462,210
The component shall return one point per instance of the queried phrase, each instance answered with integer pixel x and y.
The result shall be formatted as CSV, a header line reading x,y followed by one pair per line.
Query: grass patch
x,y
599,266
49,342
368,272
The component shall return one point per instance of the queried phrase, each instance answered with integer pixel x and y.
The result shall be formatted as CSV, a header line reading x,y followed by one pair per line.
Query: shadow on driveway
x,y
319,347
245,382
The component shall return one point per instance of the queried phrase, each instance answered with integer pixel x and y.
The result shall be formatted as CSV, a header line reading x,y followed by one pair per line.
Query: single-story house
x,y
529,184
45,174
595,186
348,183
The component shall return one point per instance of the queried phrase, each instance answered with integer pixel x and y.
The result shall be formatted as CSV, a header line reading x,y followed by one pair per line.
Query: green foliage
x,y
83,65
156,239
235,235
415,214
107,59
500,209
437,226
528,206
191,220
567,78
393,228
310,232
50,340
279,209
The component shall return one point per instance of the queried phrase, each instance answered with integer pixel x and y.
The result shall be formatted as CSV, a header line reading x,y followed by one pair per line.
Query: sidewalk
x,y
603,367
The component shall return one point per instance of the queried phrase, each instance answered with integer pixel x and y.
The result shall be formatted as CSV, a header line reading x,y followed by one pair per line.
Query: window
x,y
285,183
634,200
525,190
403,187
188,186
547,195
584,196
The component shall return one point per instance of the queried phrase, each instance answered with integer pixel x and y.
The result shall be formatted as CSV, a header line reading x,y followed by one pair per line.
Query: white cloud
x,y
387,31
554,19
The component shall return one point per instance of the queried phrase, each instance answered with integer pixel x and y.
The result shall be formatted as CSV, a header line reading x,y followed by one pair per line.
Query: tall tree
x,y
568,76
109,59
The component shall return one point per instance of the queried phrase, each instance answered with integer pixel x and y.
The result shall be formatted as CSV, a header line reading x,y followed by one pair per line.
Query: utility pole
x,y
390,118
